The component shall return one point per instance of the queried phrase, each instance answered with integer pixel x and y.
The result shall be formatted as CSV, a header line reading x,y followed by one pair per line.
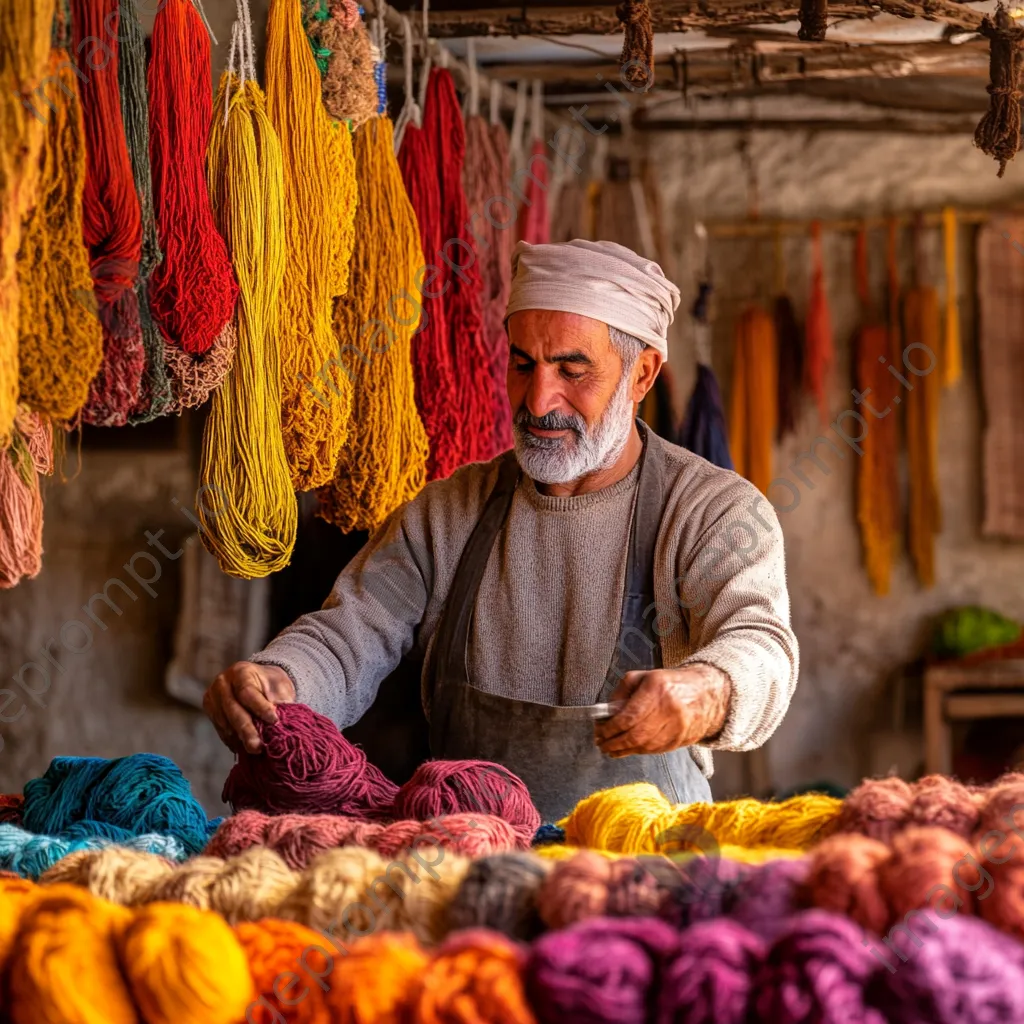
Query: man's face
x,y
572,405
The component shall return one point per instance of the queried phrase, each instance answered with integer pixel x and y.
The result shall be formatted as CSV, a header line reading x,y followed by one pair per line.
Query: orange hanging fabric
x,y
819,353
922,337
952,360
877,481
754,414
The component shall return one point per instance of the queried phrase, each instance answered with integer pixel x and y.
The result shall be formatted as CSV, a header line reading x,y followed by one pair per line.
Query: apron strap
x,y
639,647
453,631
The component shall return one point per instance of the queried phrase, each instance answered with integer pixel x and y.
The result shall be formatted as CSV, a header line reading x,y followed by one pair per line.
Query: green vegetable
x,y
963,631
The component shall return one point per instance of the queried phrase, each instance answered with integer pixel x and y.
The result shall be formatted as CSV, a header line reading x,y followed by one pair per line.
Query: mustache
x,y
551,421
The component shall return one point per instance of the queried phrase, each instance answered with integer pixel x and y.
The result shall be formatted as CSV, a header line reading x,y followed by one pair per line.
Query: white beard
x,y
563,460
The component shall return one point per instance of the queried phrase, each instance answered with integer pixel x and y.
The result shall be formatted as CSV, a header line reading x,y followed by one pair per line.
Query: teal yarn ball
x,y
30,855
116,799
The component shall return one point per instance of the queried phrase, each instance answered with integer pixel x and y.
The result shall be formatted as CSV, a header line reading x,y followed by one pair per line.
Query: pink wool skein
x,y
451,787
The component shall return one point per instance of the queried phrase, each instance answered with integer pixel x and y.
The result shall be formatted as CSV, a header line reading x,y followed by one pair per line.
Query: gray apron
x,y
552,748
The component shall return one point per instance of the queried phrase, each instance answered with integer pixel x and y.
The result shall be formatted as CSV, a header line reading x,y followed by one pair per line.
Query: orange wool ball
x,y
930,867
843,878
377,979
576,889
1003,907
878,808
292,967
476,975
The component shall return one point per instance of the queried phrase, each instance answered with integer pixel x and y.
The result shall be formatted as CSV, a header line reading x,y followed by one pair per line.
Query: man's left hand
x,y
666,708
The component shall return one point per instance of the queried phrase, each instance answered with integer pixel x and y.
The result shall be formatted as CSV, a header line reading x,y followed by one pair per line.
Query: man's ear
x,y
645,373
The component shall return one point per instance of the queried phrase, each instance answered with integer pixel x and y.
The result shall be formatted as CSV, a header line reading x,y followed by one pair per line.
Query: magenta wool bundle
x,y
710,981
954,970
450,787
306,766
602,971
816,973
471,835
765,899
706,890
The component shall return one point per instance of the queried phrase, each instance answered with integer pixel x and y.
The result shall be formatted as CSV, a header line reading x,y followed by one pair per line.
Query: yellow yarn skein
x,y
638,819
383,463
320,206
25,30
60,346
252,520
424,911
252,885
185,964
15,895
113,873
63,967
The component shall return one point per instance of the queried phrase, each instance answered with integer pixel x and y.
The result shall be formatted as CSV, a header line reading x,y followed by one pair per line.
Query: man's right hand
x,y
241,692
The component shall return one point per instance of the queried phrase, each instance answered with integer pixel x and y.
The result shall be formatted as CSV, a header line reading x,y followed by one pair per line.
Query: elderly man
x,y
596,564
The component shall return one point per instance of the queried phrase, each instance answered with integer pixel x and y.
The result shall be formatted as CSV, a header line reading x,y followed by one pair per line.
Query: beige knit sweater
x,y
547,615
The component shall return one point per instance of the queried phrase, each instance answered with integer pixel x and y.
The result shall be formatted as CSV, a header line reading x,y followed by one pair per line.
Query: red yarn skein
x,y
878,808
193,292
942,801
843,878
449,787
306,766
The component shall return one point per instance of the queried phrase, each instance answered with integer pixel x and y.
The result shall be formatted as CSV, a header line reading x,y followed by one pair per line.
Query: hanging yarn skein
x,y
998,132
476,393
320,205
112,217
819,350
383,463
877,470
25,33
193,291
535,227
60,344
345,56
754,412
29,455
637,58
952,357
243,468
155,397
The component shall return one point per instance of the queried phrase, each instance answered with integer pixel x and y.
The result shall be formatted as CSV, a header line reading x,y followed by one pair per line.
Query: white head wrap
x,y
602,280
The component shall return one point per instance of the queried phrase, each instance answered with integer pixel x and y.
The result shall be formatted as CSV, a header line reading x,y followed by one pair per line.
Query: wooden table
x,y
966,690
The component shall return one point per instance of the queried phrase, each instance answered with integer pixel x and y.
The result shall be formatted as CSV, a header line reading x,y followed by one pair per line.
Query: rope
x,y
383,463
251,528
320,200
998,132
637,59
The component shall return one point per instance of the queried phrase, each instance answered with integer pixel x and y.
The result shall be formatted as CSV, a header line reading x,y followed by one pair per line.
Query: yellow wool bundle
x,y
113,873
60,345
189,883
320,206
376,982
334,892
638,819
15,894
252,885
25,30
63,967
754,413
384,461
952,356
185,964
921,337
251,525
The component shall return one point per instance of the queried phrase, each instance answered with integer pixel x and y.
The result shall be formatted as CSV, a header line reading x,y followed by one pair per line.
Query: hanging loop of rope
x,y
519,122
495,102
410,112
537,111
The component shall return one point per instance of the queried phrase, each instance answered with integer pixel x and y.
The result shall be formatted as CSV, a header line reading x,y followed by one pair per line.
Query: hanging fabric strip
x,y
952,364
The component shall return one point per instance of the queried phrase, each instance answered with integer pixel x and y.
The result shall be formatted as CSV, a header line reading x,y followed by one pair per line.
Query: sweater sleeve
x,y
733,586
337,657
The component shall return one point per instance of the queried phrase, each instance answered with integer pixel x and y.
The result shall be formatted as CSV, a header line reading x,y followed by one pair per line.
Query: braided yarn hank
x,y
141,793
637,57
383,463
24,52
502,892
60,346
487,173
193,291
843,879
476,393
306,766
196,377
320,207
349,89
763,901
114,873
185,964
536,227
155,395
877,808
998,132
432,360
243,460
112,216
29,455
377,980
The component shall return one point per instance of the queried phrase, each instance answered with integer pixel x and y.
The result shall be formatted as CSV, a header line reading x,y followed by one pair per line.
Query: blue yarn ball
x,y
548,835
142,793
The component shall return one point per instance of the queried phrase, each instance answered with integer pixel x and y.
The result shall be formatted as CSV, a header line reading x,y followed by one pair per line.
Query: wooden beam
x,y
891,125
674,16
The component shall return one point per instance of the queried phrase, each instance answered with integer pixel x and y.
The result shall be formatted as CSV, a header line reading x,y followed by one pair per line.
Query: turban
x,y
602,280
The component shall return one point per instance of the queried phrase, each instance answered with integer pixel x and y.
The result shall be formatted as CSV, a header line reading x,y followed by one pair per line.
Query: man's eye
x,y
569,375
522,367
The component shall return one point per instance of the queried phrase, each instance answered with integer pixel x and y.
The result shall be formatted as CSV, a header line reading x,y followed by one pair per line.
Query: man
x,y
596,563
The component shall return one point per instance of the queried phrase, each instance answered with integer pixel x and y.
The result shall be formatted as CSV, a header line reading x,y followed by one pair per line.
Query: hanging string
x,y
60,344
495,102
519,122
320,197
245,500
952,359
383,463
410,112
